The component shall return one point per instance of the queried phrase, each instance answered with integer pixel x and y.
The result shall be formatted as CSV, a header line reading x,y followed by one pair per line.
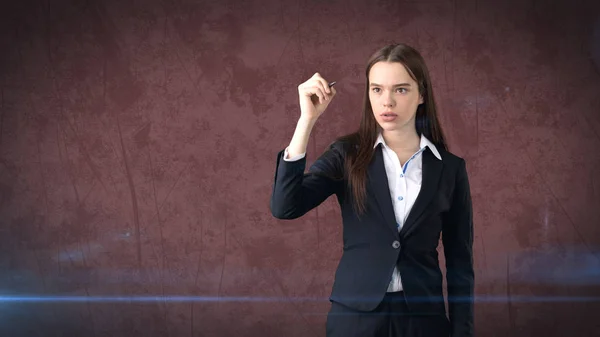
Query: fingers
x,y
317,90
317,86
313,89
322,83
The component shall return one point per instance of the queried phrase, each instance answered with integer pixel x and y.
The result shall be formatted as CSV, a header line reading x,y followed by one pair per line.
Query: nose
x,y
388,102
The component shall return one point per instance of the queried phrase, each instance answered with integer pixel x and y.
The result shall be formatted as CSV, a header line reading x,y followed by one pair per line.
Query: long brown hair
x,y
360,152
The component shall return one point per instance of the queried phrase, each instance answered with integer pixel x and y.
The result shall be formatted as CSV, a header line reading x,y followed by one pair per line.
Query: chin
x,y
389,126
398,124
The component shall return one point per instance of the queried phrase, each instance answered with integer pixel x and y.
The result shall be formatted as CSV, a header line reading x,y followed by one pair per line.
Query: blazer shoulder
x,y
451,158
453,162
340,146
457,166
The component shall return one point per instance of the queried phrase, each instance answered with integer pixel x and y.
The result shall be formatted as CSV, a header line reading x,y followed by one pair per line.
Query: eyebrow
x,y
395,85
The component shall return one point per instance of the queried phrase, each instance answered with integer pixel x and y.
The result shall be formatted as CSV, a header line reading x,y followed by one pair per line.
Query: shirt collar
x,y
424,143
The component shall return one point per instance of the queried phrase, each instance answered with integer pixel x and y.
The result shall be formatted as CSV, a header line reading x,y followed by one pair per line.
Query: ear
x,y
420,99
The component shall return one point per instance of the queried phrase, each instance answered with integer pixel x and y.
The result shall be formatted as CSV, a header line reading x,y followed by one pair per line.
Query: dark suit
x,y
373,246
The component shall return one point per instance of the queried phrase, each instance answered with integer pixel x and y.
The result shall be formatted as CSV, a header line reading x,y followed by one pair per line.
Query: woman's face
x,y
391,89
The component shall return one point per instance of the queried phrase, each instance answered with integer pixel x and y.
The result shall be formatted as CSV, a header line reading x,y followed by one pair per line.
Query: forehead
x,y
389,73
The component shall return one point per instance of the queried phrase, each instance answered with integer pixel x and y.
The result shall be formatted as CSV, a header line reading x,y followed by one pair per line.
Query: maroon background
x,y
138,143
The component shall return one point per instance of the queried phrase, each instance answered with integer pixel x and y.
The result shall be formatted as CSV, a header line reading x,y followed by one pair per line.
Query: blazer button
x,y
396,244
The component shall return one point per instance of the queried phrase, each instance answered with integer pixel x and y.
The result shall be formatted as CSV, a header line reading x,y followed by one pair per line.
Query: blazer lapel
x,y
379,181
432,171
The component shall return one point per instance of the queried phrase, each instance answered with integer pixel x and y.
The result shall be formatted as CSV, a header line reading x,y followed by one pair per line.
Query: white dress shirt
x,y
404,182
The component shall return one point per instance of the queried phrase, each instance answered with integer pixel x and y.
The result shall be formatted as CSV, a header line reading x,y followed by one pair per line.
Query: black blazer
x,y
372,246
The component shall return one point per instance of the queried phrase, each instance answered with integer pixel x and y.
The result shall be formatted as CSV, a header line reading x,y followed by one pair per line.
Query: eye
x,y
403,92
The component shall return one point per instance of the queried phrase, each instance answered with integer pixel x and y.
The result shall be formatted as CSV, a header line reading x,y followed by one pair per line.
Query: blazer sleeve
x,y
296,192
457,238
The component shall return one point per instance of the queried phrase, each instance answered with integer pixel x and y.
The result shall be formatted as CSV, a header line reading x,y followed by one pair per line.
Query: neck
x,y
402,140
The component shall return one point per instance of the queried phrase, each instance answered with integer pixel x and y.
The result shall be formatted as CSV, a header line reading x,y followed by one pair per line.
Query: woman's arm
x,y
457,237
295,192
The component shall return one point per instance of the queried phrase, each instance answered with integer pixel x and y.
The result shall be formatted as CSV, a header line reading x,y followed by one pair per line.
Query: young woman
x,y
399,188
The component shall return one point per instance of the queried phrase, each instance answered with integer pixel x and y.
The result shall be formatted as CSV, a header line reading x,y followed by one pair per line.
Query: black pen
x,y
332,84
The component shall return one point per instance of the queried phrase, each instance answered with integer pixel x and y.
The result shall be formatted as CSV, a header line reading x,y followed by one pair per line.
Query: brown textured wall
x,y
138,143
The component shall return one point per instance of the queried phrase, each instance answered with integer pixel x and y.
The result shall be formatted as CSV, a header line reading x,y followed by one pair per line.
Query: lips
x,y
388,114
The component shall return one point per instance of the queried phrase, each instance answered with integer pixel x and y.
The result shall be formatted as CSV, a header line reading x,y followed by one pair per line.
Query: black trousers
x,y
390,319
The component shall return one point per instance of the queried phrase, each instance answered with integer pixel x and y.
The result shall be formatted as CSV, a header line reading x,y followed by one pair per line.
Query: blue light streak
x,y
187,299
